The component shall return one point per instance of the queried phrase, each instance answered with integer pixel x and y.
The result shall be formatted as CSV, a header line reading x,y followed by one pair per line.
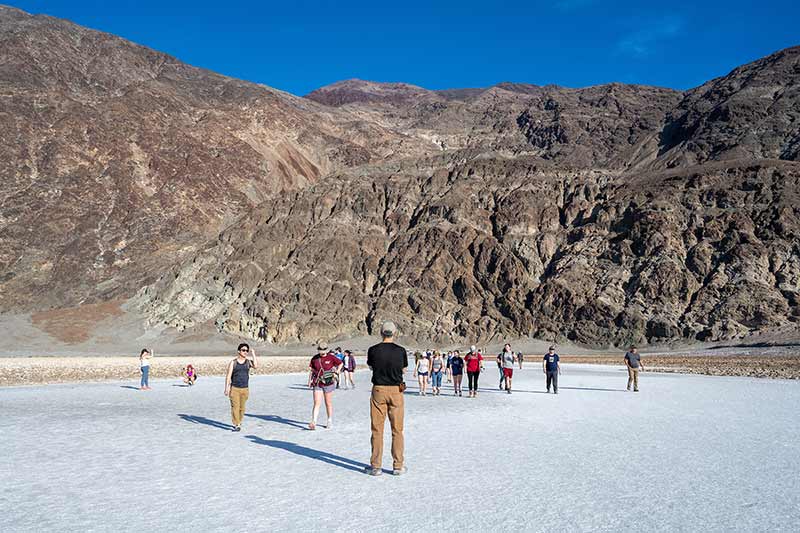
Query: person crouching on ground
x,y
323,376
388,362
189,375
237,382
551,368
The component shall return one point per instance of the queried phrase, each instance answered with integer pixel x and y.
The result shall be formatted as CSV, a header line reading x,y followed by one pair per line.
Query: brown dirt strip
x,y
44,370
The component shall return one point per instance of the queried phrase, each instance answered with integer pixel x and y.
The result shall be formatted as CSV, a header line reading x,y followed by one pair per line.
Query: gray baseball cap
x,y
388,329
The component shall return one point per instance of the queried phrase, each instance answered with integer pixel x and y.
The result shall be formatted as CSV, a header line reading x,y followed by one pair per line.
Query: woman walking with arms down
x,y
457,371
237,382
323,375
437,369
474,361
144,367
421,372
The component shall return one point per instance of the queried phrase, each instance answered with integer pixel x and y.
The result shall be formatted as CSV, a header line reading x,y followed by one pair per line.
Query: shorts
x,y
508,372
422,373
326,388
458,373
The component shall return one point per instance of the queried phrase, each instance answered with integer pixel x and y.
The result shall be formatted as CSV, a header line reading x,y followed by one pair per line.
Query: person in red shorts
x,y
506,360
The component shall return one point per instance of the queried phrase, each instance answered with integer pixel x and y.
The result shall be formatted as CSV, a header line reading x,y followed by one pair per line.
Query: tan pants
x,y
238,399
387,400
633,377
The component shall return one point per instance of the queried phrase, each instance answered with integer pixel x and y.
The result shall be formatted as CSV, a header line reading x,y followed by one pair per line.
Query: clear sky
x,y
301,45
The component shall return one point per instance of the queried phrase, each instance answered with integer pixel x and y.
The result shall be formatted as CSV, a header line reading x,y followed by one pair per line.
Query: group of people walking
x,y
388,362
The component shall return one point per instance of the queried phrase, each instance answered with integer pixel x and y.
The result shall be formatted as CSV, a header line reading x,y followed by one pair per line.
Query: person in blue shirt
x,y
551,368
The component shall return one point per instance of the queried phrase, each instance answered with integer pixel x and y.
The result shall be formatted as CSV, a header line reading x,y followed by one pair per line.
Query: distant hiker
x,y
421,373
634,363
237,382
144,368
500,370
340,356
507,360
323,376
388,362
519,359
437,369
448,372
474,361
457,371
349,365
189,375
551,368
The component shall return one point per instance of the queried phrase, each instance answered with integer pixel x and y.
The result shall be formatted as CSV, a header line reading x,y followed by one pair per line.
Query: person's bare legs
x,y
329,409
457,383
315,409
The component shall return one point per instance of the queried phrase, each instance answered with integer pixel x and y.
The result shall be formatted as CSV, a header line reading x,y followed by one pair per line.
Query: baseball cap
x,y
388,329
322,346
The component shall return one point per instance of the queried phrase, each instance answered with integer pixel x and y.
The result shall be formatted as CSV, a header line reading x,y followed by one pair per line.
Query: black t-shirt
x,y
387,361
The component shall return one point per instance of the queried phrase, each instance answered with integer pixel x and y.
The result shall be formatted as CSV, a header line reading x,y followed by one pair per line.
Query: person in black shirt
x,y
388,362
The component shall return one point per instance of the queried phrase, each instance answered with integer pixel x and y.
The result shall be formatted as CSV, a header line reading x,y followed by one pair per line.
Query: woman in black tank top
x,y
237,382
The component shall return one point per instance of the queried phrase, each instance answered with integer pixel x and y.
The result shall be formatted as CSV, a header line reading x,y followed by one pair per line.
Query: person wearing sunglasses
x,y
237,382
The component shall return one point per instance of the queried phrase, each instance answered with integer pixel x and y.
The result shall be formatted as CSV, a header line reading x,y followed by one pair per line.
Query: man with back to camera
x,y
634,363
388,362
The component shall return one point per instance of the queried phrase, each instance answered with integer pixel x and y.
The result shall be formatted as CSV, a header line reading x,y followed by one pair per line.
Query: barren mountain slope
x,y
497,248
116,159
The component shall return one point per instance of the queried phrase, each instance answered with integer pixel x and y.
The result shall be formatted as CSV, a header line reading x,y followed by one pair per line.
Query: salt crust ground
x,y
687,453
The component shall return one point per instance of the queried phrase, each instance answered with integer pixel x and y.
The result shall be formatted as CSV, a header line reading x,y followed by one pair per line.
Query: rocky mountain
x,y
602,126
118,160
602,215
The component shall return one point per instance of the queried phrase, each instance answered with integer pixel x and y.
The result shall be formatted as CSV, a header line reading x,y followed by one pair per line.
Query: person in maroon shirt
x,y
323,374
474,361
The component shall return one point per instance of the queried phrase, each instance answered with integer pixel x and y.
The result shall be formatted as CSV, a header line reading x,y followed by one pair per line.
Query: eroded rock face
x,y
604,215
117,160
496,249
752,113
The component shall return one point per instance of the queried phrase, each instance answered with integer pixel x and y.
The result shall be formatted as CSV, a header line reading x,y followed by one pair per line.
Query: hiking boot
x,y
399,471
372,471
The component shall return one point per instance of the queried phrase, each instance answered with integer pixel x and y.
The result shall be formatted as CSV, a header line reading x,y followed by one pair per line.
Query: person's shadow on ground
x,y
207,421
129,387
325,457
279,419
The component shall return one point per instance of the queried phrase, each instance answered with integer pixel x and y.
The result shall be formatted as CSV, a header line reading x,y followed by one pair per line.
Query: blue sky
x,y
300,45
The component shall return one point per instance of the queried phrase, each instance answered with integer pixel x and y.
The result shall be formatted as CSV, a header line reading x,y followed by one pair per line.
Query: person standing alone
x,y
388,361
551,368
144,366
634,363
237,382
